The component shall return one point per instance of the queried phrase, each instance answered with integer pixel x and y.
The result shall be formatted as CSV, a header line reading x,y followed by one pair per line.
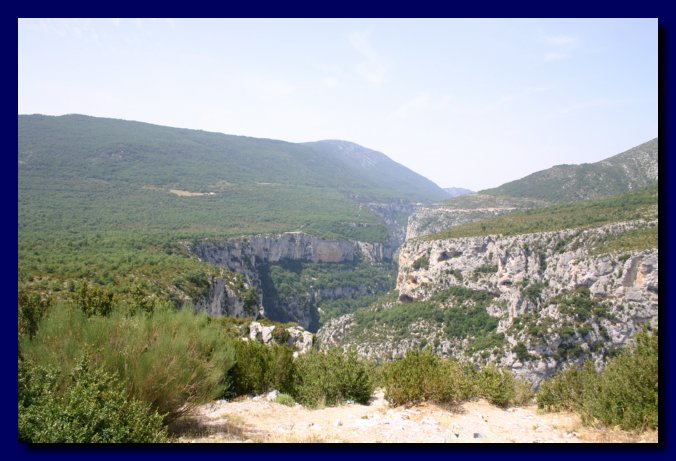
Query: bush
x,y
533,293
521,352
94,300
331,378
496,385
422,262
172,360
285,399
486,269
260,368
422,376
566,390
93,407
32,307
625,394
523,392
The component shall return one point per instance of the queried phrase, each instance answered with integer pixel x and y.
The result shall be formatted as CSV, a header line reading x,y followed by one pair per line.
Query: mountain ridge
x,y
632,169
109,164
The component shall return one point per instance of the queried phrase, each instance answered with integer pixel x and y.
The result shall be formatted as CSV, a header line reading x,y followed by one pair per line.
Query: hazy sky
x,y
468,103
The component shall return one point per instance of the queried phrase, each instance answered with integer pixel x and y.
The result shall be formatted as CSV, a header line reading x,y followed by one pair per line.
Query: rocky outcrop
x,y
243,254
556,299
560,259
295,337
250,257
222,299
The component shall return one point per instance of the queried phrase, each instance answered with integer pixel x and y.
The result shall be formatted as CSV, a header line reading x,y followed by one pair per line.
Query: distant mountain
x,y
622,173
378,170
457,191
630,170
79,172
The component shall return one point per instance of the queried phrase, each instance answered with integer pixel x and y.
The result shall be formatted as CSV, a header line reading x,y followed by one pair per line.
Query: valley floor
x,y
258,420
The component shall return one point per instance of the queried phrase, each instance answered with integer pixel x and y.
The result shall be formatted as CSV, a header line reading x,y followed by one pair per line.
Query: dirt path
x,y
258,420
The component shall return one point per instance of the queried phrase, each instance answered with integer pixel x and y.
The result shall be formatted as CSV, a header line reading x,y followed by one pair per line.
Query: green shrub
x,y
281,335
32,307
422,262
422,376
93,407
93,300
250,300
172,360
625,394
260,368
523,392
331,378
455,273
285,399
521,352
486,269
567,389
496,385
533,293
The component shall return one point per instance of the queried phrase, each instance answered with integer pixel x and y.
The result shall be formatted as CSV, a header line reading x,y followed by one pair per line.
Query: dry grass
x,y
615,435
190,428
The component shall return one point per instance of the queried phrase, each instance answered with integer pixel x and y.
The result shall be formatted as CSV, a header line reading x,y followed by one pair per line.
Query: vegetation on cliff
x,y
641,204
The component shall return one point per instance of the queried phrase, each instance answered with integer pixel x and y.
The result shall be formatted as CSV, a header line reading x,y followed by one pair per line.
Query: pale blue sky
x,y
468,103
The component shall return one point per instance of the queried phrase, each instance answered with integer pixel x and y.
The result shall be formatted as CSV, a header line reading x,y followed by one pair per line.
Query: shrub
x,y
281,335
625,394
32,307
285,399
521,352
486,269
496,385
93,407
260,368
566,390
523,392
533,293
421,376
172,360
331,378
94,300
250,300
422,262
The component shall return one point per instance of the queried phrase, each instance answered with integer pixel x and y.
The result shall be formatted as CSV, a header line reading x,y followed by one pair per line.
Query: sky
x,y
468,103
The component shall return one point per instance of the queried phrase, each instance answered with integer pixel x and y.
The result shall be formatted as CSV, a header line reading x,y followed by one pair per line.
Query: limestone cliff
x,y
555,298
250,258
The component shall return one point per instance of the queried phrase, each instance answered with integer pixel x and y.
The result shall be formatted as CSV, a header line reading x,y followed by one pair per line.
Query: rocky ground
x,y
260,420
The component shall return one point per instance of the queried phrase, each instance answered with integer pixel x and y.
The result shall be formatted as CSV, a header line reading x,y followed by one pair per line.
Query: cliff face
x,y
563,260
250,257
242,254
395,215
427,220
555,298
430,220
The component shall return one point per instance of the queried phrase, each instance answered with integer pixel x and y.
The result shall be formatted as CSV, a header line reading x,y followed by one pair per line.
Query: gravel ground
x,y
260,420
